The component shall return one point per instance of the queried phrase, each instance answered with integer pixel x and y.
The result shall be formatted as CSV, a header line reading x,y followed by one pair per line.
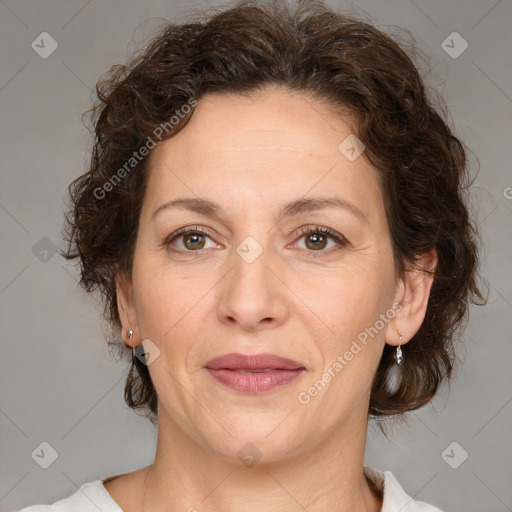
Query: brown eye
x,y
194,241
320,241
189,239
316,241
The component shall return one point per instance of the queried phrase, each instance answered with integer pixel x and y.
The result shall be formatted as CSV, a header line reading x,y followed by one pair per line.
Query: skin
x,y
252,156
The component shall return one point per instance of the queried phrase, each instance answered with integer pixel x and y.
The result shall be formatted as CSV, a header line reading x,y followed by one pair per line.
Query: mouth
x,y
253,373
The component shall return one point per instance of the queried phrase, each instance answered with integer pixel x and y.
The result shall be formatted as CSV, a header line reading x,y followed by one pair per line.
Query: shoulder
x,y
89,498
394,497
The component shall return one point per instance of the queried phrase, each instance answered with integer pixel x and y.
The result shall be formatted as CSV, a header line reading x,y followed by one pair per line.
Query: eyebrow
x,y
303,205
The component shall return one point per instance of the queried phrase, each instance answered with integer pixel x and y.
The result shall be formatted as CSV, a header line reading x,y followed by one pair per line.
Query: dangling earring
x,y
130,336
399,357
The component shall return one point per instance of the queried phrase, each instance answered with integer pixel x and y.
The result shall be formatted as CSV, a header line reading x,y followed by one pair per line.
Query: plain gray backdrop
x,y
59,384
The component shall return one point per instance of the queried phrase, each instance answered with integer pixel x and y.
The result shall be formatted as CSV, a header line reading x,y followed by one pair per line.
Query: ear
x,y
126,308
412,293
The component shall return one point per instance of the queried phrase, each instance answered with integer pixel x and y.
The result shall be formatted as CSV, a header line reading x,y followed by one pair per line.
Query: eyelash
x,y
341,240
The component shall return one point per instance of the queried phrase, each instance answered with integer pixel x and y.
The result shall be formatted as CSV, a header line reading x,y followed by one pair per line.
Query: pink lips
x,y
253,373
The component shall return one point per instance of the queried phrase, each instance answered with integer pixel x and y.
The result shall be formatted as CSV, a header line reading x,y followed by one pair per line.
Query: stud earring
x,y
399,357
130,333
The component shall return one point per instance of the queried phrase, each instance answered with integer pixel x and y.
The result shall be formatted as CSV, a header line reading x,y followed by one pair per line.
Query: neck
x,y
186,476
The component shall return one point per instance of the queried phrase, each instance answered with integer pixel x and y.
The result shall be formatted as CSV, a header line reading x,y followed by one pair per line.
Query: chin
x,y
258,439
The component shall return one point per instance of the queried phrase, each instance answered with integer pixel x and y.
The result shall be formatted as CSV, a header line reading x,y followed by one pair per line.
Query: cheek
x,y
163,301
348,357
353,306
349,299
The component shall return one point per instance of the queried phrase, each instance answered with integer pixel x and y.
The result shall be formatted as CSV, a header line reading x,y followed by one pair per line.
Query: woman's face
x,y
252,176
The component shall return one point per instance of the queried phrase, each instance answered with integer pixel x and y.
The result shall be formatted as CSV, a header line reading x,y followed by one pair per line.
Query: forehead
x,y
276,146
273,119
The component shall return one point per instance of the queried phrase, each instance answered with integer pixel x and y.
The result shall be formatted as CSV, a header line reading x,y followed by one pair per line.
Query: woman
x,y
275,215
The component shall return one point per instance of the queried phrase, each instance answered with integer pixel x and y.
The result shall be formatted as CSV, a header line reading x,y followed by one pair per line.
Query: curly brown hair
x,y
308,48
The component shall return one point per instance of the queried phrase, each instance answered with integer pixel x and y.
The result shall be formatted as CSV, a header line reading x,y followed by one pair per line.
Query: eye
x,y
317,240
191,238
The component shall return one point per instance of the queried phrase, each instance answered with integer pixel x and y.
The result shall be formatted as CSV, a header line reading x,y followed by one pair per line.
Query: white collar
x,y
395,499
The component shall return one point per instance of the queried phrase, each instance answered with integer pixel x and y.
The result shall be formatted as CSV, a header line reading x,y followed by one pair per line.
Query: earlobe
x,y
126,310
413,292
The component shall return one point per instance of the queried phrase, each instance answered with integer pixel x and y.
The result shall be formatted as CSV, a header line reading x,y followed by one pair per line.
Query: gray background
x,y
58,382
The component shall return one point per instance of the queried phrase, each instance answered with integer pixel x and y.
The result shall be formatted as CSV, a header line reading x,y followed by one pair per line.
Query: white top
x,y
93,497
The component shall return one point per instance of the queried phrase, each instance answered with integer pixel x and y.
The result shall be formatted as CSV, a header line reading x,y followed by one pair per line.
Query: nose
x,y
252,296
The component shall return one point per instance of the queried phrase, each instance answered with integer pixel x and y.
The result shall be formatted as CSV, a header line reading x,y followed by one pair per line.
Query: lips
x,y
253,373
252,363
